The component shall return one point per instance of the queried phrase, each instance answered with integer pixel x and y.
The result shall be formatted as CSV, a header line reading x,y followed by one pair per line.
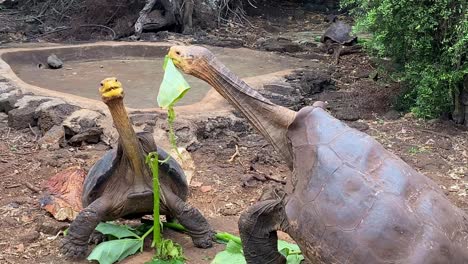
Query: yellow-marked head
x,y
111,89
190,59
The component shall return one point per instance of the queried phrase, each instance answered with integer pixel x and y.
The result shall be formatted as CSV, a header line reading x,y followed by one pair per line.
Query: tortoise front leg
x,y
75,244
257,227
190,217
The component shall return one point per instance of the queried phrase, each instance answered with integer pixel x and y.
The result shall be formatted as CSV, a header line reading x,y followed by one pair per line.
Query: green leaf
x,y
292,252
173,86
117,231
115,250
232,254
161,261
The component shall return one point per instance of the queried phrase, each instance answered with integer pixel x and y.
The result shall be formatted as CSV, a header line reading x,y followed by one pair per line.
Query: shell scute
x,y
325,164
324,129
346,199
389,230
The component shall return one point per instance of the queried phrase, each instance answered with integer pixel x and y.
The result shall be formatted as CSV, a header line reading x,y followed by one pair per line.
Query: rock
x,y
53,113
392,115
50,226
362,73
280,45
82,125
374,75
29,237
346,114
52,138
206,188
91,135
8,99
358,125
3,117
54,62
64,191
22,117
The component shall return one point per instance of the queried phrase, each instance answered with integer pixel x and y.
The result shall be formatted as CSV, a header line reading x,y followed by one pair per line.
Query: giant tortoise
x,y
120,184
349,199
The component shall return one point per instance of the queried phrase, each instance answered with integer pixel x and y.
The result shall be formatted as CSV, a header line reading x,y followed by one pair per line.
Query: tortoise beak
x,y
111,89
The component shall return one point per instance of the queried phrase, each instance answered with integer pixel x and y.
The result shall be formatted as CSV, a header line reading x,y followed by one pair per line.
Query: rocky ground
x,y
223,186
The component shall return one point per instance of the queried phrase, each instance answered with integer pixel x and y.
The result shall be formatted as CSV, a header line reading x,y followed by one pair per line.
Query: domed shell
x,y
339,32
103,169
363,204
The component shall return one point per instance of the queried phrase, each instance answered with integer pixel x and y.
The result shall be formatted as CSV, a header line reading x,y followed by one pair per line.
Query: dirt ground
x,y
220,188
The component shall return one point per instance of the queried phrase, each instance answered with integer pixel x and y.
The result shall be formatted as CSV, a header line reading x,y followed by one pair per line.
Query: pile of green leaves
x,y
123,242
428,39
233,253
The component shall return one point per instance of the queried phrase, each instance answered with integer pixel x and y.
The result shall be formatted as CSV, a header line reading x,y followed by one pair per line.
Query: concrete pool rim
x,y
212,102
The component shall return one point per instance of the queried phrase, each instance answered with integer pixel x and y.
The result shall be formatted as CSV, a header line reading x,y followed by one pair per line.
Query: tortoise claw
x,y
205,241
72,250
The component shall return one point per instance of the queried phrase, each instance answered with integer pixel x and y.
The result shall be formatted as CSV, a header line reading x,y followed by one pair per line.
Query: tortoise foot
x,y
205,241
96,238
72,250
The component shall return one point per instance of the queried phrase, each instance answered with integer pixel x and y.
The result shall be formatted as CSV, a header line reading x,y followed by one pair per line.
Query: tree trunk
x,y
460,112
178,13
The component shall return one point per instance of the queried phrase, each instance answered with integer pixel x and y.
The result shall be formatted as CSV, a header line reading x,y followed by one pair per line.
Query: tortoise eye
x,y
102,84
178,53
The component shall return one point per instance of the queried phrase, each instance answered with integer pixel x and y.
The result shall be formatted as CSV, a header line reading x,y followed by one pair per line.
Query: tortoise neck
x,y
127,136
269,119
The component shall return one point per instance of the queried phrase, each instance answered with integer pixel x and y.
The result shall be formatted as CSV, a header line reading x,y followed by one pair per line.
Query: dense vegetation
x,y
429,40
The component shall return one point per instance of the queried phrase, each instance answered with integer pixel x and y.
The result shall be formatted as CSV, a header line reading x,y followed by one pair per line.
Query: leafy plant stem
x,y
153,162
222,236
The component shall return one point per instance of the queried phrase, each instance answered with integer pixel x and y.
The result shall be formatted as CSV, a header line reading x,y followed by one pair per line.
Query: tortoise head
x,y
111,89
192,60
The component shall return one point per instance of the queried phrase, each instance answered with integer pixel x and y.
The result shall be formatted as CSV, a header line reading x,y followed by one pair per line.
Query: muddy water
x,y
141,77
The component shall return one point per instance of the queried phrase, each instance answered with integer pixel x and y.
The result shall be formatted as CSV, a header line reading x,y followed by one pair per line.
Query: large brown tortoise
x,y
120,184
349,201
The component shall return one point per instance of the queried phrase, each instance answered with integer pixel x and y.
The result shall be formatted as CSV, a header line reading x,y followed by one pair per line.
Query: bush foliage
x,y
428,38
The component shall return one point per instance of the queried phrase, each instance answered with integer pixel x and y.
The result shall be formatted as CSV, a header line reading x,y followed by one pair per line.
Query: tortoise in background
x,y
120,184
349,200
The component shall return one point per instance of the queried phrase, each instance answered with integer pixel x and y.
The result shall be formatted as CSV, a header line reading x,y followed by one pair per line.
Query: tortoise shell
x,y
170,172
339,32
355,202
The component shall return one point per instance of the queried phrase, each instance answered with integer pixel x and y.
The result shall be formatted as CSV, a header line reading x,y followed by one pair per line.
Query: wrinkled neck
x,y
128,138
272,121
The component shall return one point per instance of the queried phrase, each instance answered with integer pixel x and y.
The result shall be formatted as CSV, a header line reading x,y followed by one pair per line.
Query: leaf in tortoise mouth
x,y
173,86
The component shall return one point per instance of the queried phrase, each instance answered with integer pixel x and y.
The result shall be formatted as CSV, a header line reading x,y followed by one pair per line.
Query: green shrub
x,y
428,38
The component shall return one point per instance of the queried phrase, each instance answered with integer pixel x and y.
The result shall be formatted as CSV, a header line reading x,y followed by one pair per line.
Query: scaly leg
x,y
257,227
197,226
75,244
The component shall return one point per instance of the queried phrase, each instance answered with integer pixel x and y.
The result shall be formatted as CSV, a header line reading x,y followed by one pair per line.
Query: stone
x,y
54,62
52,138
29,237
50,226
31,100
8,99
91,135
280,45
22,117
82,126
392,115
53,115
3,118
358,125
